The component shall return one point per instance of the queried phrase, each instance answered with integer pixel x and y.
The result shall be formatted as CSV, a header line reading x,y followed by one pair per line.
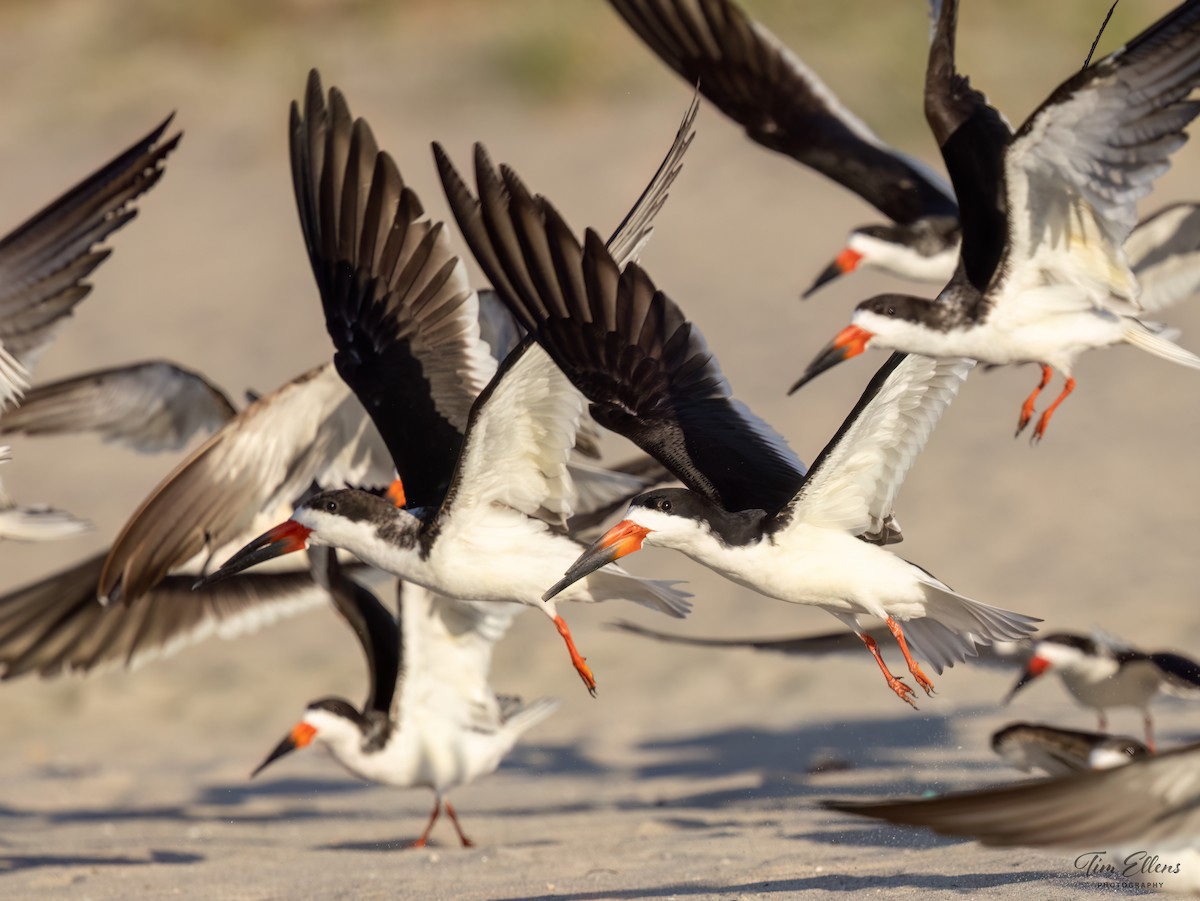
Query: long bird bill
x,y
846,262
285,538
300,736
623,538
1033,669
850,342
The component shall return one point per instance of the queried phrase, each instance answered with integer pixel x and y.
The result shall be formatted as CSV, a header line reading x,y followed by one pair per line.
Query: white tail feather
x,y
612,583
1158,342
525,718
954,627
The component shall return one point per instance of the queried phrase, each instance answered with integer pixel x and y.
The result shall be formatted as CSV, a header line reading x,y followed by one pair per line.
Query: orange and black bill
x,y
850,342
1033,669
847,261
623,538
285,538
301,735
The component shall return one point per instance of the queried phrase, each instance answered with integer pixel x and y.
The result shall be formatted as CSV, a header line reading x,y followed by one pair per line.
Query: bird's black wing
x,y
781,103
646,370
973,137
397,303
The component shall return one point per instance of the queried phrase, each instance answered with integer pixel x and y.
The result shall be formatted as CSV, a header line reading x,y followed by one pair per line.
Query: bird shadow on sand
x,y
237,794
12,863
550,760
829,882
877,742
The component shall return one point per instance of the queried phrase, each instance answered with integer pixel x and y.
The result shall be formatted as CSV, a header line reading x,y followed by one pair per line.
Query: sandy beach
x,y
694,773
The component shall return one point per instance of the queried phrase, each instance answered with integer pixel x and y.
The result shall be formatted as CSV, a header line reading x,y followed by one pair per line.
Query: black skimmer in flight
x,y
759,83
431,718
1043,275
1139,822
481,453
783,105
1101,673
748,511
1060,752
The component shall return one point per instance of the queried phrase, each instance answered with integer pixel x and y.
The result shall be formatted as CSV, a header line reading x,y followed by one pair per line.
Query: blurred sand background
x,y
687,776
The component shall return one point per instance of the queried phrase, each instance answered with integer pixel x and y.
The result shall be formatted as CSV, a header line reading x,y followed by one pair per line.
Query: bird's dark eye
x,y
665,505
890,311
331,506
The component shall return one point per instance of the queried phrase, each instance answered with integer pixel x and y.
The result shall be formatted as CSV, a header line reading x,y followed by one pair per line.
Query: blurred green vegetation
x,y
561,51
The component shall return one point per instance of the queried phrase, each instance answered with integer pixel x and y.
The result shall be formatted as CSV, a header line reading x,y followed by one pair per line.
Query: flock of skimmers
x,y
466,417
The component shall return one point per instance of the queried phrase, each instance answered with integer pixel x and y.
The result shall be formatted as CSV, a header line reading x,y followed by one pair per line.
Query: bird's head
x,y
668,517
330,721
345,518
1062,652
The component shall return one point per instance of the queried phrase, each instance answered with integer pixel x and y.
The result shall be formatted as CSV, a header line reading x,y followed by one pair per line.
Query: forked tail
x,y
954,627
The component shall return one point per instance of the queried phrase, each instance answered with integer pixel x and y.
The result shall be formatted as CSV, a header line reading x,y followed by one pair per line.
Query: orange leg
x,y
466,842
395,493
902,691
913,668
424,839
1027,407
1149,724
577,659
1040,430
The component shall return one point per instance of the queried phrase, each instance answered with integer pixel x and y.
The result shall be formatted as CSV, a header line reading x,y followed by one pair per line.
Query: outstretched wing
x,y
310,430
46,260
397,302
646,370
1154,801
853,484
972,137
781,103
520,435
1077,167
57,626
448,656
153,406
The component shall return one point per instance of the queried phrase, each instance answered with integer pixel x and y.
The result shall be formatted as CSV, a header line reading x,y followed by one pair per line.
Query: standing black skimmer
x,y
1043,276
1145,815
755,80
481,453
749,511
1100,674
430,719
1060,752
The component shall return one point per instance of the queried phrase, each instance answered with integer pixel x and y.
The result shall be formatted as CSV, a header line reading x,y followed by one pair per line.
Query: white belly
x,y
824,568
